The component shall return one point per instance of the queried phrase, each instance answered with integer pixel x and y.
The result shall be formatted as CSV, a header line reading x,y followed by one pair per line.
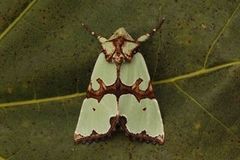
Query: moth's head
x,y
121,32
120,47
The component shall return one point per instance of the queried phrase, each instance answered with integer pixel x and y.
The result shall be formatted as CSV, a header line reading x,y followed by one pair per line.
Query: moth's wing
x,y
97,119
134,70
141,120
104,70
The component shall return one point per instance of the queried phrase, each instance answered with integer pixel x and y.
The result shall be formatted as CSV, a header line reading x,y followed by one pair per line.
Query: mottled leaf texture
x,y
46,60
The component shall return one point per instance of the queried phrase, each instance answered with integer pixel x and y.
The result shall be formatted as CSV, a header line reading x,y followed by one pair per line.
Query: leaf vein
x,y
219,35
1,158
168,80
205,110
43,100
196,73
11,26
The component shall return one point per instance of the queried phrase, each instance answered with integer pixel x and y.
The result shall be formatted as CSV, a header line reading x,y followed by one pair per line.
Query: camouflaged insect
x,y
120,93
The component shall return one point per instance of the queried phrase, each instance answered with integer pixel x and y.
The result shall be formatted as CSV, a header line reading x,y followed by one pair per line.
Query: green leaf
x,y
46,61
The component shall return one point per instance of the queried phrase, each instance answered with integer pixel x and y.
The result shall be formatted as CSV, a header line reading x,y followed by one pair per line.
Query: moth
x,y
120,93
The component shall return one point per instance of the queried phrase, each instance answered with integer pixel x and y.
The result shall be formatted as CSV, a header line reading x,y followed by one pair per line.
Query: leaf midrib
x,y
193,74
199,72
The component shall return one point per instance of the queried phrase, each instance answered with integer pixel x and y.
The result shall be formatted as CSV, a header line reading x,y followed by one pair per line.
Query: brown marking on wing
x,y
143,136
118,89
78,138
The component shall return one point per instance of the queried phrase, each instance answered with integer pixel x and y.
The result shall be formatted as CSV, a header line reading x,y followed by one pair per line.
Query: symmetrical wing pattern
x,y
120,94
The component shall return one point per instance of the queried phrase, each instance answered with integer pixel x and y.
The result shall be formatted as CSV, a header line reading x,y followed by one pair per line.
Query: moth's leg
x,y
147,35
99,37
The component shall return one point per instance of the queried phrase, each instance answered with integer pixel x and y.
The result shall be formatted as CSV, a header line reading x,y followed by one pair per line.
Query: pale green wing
x,y
95,116
134,70
142,117
104,70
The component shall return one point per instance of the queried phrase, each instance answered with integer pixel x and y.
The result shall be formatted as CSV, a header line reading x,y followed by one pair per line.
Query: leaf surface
x,y
46,61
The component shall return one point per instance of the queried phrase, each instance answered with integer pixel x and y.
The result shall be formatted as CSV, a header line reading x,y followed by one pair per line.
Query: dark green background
x,y
45,53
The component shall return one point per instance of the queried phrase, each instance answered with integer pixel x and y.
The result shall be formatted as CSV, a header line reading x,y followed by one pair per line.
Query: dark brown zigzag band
x,y
118,89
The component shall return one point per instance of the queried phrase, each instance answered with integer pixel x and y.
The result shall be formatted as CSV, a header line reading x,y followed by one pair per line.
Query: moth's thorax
x,y
120,47
118,56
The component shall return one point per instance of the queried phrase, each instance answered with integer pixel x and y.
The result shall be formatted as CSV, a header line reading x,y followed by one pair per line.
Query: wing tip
x,y
77,138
